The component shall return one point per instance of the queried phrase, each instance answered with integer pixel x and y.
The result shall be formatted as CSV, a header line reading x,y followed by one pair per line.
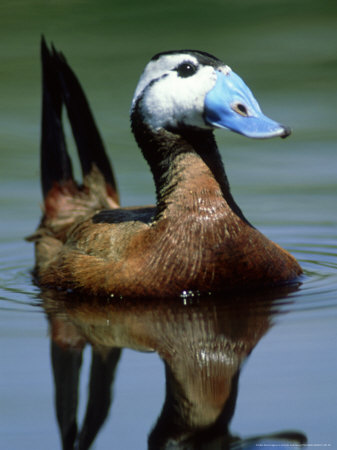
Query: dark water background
x,y
287,53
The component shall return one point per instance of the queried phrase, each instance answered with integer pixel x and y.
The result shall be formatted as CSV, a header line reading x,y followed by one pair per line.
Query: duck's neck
x,y
187,170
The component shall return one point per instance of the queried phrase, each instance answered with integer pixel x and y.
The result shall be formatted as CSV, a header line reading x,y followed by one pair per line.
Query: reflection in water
x,y
203,344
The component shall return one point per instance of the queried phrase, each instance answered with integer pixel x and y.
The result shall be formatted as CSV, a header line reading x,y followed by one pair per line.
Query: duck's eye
x,y
240,109
186,70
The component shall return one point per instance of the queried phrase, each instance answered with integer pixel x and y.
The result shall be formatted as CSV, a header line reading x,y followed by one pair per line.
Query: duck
x,y
195,239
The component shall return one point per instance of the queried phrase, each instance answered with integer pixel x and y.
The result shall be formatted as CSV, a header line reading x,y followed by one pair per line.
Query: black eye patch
x,y
186,69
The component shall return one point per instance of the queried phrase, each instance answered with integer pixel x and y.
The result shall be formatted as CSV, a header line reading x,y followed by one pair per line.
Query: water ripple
x,y
17,292
316,250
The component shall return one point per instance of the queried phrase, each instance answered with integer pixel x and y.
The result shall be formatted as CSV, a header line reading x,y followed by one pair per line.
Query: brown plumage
x,y
195,238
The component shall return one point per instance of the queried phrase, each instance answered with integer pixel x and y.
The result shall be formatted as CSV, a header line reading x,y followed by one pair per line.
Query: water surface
x,y
286,52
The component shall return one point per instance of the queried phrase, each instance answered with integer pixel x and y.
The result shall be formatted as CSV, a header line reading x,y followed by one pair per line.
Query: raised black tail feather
x,y
89,143
60,85
55,161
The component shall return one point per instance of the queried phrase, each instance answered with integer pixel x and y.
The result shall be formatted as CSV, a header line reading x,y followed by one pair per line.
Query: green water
x,y
286,51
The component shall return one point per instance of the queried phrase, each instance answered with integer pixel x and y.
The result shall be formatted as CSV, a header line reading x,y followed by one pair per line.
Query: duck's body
x,y
195,238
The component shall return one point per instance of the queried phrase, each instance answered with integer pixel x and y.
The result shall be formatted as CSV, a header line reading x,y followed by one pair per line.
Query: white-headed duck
x,y
196,238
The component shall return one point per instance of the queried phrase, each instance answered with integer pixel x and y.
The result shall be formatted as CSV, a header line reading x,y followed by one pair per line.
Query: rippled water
x,y
286,342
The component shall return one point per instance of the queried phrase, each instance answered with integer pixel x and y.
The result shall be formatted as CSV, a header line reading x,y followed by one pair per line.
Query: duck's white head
x,y
195,89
